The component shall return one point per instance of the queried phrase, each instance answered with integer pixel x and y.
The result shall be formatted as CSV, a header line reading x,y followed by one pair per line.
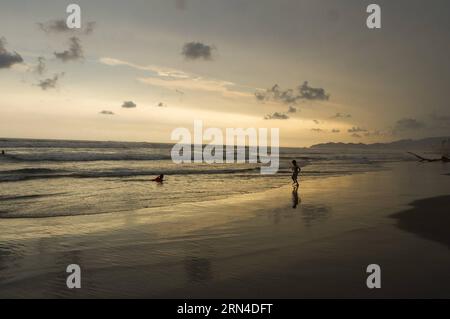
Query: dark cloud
x,y
316,121
8,59
54,26
161,104
197,50
317,130
341,116
129,105
356,129
75,51
50,83
407,124
60,26
335,130
261,96
292,96
276,116
106,112
292,109
356,135
278,95
309,93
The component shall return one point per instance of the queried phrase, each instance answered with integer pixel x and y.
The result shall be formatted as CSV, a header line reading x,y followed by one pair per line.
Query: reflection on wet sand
x,y
295,198
312,214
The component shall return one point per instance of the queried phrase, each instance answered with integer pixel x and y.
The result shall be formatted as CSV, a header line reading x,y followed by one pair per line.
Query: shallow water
x,y
40,178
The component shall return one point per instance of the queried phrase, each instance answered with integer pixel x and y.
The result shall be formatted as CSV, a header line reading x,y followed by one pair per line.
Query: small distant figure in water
x,y
3,152
295,171
159,179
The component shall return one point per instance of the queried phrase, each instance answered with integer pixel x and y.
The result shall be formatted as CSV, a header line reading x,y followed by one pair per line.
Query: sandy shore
x,y
255,245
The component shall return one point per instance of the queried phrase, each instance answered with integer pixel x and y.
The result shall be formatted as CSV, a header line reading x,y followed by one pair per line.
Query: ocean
x,y
50,178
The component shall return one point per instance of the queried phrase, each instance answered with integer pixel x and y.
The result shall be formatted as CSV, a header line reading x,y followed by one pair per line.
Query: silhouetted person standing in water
x,y
3,152
295,171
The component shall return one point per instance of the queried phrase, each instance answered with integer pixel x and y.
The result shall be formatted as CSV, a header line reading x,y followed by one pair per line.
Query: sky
x,y
137,69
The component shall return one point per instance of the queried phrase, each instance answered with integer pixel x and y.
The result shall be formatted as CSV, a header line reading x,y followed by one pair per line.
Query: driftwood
x,y
444,159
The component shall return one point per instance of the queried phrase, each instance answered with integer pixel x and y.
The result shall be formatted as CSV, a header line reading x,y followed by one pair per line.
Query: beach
x,y
226,150
252,245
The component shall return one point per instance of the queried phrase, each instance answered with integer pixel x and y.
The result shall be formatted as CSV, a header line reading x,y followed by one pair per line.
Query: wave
x,y
28,171
43,173
23,197
83,157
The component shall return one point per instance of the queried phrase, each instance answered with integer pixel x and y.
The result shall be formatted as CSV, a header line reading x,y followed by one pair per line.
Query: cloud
x,y
106,112
316,122
201,84
356,129
276,116
60,26
179,81
75,51
277,94
160,71
335,130
8,59
317,130
407,124
197,50
54,26
341,116
161,104
41,66
50,83
292,109
356,135
292,96
309,93
129,105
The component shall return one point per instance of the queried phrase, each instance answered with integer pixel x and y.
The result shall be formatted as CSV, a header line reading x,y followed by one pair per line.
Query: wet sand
x,y
429,218
253,246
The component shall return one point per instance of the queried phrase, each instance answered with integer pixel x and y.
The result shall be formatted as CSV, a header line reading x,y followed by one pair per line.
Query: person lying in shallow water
x,y
159,179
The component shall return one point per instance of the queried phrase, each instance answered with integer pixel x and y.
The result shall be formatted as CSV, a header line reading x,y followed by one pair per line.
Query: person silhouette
x,y
295,171
159,179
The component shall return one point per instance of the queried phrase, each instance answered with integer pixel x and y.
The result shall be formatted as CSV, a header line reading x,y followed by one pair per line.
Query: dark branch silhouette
x,y
444,159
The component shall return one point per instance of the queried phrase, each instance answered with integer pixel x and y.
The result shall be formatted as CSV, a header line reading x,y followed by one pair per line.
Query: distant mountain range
x,y
431,143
